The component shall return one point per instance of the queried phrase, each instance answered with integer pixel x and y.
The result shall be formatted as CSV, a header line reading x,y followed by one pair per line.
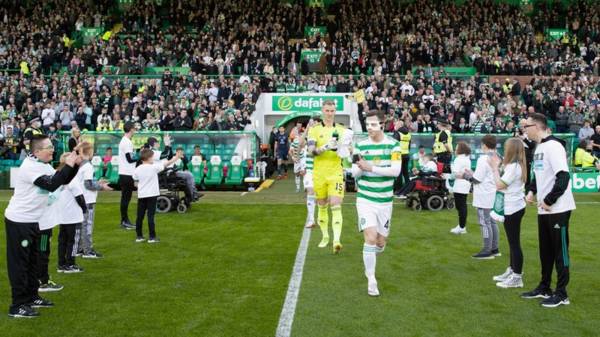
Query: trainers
x,y
49,287
458,230
91,255
483,255
513,281
502,277
555,300
496,253
79,253
309,225
140,239
22,311
153,240
127,225
324,242
41,303
400,196
62,269
337,247
73,269
372,289
537,293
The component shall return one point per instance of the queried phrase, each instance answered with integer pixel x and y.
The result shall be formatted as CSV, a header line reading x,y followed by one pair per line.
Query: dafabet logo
x,y
304,103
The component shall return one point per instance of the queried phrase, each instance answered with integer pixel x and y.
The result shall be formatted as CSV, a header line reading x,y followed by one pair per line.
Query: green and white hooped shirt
x,y
371,187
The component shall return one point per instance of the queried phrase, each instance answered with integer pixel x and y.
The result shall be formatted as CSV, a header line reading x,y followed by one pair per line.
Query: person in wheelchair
x,y
191,193
429,169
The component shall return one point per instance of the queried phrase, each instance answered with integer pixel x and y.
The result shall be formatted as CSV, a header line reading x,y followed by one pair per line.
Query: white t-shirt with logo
x,y
550,158
484,193
147,177
125,167
459,166
87,173
514,194
29,201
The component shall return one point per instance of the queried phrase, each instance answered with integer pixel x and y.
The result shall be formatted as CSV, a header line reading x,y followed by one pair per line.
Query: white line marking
x,y
286,319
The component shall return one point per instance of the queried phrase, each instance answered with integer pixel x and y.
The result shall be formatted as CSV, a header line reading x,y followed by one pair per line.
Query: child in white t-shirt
x,y
148,190
90,193
512,184
484,194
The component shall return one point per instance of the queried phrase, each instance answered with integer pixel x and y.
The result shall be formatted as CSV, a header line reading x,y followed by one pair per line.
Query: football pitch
x,y
223,269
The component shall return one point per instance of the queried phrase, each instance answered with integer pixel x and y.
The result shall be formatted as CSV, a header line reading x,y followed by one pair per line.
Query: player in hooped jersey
x,y
377,162
307,162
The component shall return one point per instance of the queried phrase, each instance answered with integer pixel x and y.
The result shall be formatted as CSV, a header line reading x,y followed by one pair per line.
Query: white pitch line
x,y
286,319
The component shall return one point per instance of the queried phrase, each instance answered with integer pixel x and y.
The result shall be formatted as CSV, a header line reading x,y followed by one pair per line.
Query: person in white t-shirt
x,y
462,187
72,205
33,183
126,168
484,193
512,184
552,184
90,194
148,190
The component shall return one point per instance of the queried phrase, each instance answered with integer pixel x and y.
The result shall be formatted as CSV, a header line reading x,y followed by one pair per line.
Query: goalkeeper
x,y
328,175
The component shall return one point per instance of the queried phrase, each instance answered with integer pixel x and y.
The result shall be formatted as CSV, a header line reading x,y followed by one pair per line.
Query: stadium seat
x,y
215,172
197,169
113,170
97,164
235,175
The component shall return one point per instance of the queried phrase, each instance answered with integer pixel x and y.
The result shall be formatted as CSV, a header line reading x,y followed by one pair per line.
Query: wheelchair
x,y
172,192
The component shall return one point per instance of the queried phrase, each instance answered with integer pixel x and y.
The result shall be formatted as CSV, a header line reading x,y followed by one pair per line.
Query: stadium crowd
x,y
495,38
263,52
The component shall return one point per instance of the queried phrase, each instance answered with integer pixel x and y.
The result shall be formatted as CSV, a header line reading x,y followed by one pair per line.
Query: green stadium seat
x,y
214,176
197,168
113,170
235,174
97,164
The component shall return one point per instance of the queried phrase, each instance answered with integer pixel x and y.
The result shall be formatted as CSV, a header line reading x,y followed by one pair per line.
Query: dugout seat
x,y
235,175
113,170
197,169
98,167
215,172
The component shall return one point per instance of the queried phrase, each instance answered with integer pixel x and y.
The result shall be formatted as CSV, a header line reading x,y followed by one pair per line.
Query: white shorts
x,y
298,167
308,180
373,215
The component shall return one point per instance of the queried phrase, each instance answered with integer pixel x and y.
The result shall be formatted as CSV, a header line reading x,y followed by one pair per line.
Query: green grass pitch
x,y
223,269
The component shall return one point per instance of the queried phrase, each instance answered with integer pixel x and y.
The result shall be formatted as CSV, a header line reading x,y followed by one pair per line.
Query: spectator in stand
x,y
586,132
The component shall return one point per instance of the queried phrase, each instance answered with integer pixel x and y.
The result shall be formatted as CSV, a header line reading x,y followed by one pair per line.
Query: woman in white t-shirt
x,y
148,191
512,184
462,187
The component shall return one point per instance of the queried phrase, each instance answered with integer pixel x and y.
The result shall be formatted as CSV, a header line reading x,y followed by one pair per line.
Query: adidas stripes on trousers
x,y
44,256
22,250
553,235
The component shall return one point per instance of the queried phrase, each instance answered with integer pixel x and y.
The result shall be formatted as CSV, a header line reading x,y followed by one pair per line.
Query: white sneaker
x,y
503,277
372,289
513,281
458,230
